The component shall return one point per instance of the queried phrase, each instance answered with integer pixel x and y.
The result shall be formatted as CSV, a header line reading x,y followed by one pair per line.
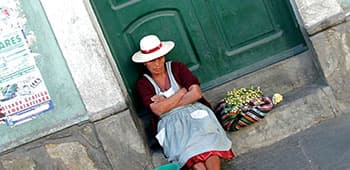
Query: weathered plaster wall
x,y
86,57
110,136
28,18
97,80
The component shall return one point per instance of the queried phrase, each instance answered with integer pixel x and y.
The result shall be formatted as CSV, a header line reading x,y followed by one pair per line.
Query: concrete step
x,y
281,77
307,101
300,109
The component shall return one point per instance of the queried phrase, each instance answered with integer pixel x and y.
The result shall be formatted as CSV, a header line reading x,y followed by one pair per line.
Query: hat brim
x,y
140,57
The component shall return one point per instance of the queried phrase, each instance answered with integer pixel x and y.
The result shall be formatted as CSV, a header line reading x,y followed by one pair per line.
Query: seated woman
x,y
188,130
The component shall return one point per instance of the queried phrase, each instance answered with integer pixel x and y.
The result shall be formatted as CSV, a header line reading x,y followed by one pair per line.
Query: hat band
x,y
152,50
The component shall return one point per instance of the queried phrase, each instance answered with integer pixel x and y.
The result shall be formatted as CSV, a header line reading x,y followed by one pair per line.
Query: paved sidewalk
x,y
325,146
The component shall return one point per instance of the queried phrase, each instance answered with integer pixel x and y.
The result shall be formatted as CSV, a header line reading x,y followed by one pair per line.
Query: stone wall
x,y
111,143
74,148
327,23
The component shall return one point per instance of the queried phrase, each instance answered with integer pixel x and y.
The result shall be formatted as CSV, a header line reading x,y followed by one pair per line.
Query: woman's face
x,y
156,66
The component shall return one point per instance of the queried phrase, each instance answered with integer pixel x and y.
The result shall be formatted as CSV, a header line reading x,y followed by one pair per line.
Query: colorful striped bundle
x,y
243,107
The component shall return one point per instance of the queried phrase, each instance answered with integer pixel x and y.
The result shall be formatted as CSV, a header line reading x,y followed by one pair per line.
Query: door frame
x,y
109,55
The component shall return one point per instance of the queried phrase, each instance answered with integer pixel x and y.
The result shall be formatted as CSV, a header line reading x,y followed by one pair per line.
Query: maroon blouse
x,y
183,77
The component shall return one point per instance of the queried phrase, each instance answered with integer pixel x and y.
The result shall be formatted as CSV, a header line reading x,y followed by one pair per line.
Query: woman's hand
x,y
191,96
183,91
157,98
160,98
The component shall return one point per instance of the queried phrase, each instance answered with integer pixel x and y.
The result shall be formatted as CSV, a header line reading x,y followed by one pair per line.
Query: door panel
x,y
218,40
244,36
236,25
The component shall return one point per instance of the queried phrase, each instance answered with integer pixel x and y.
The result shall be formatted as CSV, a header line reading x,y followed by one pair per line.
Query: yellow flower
x,y
277,98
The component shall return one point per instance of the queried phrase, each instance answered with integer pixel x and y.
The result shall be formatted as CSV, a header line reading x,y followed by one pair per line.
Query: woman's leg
x,y
213,163
199,166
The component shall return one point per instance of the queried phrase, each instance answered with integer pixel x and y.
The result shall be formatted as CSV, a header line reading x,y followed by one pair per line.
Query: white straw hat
x,y
151,48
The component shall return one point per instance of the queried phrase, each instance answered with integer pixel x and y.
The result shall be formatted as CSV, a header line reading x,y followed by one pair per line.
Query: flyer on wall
x,y
23,93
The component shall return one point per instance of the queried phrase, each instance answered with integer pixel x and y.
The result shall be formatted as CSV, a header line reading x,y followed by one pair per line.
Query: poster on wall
x,y
23,93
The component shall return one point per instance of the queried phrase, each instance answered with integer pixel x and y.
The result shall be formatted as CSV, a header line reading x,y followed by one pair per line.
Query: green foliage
x,y
239,97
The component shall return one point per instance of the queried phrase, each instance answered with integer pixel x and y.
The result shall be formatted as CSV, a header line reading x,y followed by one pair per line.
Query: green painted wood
x,y
69,108
345,4
218,40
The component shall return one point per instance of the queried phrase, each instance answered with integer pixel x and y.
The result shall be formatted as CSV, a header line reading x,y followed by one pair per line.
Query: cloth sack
x,y
245,115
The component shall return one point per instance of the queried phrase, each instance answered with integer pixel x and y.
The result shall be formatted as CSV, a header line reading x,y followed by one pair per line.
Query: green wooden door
x,y
219,40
